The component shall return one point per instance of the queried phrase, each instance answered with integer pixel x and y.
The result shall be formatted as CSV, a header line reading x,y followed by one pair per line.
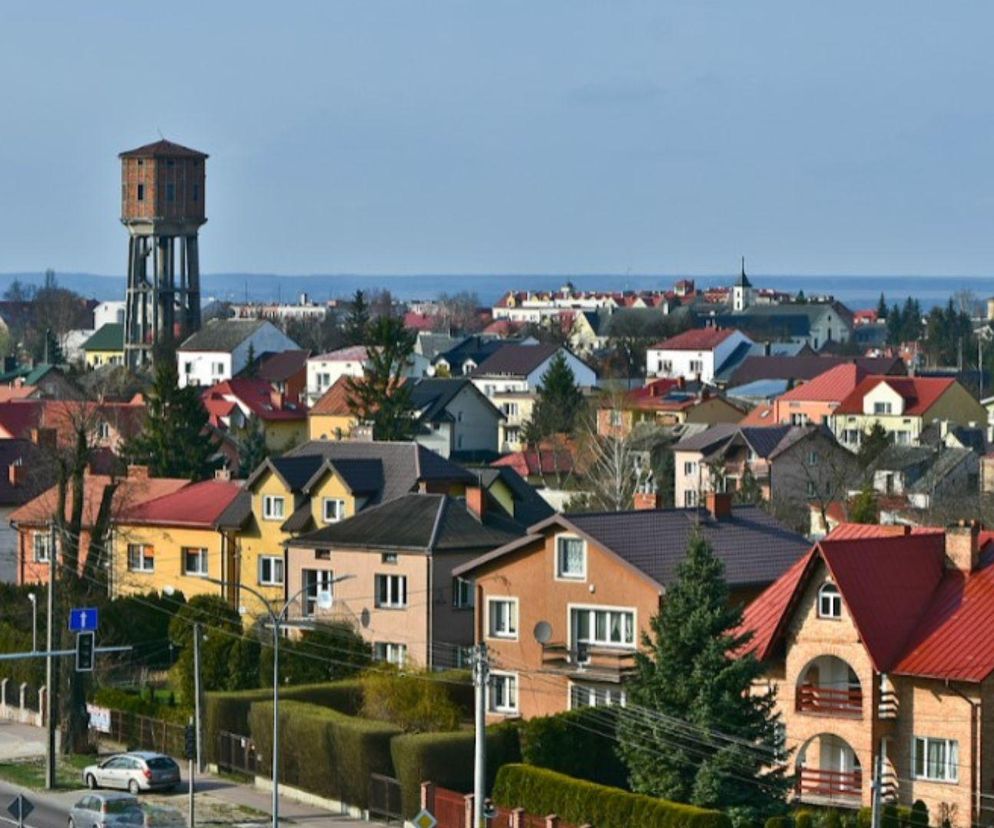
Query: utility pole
x,y
196,697
878,773
481,674
192,769
50,668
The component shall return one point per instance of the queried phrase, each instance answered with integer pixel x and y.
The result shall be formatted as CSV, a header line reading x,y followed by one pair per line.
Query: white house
x,y
695,354
324,370
220,349
454,419
108,313
521,368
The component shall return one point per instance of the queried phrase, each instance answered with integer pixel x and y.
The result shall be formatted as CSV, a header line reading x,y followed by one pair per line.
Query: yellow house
x,y
105,347
177,542
330,418
236,402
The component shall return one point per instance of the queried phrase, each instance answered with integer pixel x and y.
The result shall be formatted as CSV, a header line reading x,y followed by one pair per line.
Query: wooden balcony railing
x,y
829,700
814,782
600,663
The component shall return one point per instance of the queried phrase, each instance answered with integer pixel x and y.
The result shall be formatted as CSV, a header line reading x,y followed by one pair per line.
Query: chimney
x,y
476,501
138,472
276,399
222,474
647,501
17,473
963,546
44,438
719,504
681,382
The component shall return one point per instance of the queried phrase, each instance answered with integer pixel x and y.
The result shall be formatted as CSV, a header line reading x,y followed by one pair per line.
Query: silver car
x,y
106,810
134,772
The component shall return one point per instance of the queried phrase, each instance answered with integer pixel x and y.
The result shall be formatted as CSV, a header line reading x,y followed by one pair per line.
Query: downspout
x,y
975,766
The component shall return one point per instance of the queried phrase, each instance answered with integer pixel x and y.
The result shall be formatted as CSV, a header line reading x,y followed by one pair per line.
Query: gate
x,y
236,754
384,797
449,808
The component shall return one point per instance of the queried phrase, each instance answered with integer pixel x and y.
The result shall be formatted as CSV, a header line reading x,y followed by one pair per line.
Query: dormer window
x,y
881,408
829,602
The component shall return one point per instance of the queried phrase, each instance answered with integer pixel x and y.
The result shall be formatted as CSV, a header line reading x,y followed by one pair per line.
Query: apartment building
x,y
697,354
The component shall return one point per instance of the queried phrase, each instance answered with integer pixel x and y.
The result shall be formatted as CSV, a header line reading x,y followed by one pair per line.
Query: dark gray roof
x,y
760,324
222,334
529,506
300,520
422,522
807,367
764,440
430,396
706,441
361,475
897,458
237,512
516,360
295,471
476,348
37,471
946,461
280,366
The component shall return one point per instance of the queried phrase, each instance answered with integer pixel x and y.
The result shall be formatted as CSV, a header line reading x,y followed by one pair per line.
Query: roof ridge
x,y
436,528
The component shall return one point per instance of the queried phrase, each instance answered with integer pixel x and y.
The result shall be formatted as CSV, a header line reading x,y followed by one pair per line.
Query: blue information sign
x,y
84,619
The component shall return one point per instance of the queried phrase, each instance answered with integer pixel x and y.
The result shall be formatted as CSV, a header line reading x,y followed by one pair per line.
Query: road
x,y
47,813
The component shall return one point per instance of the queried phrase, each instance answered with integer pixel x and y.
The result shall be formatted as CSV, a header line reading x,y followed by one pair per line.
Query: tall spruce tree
x,y
357,321
724,752
381,397
174,441
559,405
882,309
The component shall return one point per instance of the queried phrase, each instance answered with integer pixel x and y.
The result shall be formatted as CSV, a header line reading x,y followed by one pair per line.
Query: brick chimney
x,y
476,501
138,472
642,501
719,504
963,546
17,474
222,474
45,438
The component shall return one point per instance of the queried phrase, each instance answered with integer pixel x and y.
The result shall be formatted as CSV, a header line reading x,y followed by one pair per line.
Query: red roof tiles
x,y
196,505
919,393
696,339
834,385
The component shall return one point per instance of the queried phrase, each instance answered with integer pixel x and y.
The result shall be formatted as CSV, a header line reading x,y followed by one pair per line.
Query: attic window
x,y
829,602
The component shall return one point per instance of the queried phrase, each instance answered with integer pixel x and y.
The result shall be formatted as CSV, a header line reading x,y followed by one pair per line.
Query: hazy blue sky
x,y
537,136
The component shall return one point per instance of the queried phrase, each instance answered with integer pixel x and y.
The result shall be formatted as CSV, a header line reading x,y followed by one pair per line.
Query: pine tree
x,y
252,449
882,309
874,442
381,397
357,321
251,365
559,403
720,757
173,441
864,507
895,328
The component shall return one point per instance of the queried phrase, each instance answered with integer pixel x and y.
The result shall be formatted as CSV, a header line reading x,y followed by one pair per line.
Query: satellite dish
x,y
543,632
325,599
364,618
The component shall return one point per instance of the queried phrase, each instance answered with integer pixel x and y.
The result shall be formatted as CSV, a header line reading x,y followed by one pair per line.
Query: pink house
x,y
812,402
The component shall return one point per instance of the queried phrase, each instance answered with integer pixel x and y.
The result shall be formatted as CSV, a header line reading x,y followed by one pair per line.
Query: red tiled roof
x,y
199,505
857,531
532,462
18,417
334,401
764,616
761,415
419,321
834,385
655,388
696,339
259,397
919,393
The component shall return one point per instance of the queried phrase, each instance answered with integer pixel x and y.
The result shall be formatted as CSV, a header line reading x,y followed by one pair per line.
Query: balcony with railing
x,y
589,661
815,784
828,686
828,772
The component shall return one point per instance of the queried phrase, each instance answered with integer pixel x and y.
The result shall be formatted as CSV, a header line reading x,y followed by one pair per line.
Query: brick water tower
x,y
162,205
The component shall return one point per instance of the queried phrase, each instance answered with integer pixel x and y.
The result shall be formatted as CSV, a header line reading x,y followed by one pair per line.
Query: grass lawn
x,y
31,772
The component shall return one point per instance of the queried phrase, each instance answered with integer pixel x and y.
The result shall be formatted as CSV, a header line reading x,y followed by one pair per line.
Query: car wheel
x,y
91,783
133,787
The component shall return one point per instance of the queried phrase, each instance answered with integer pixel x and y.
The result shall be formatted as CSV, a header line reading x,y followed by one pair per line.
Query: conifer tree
x,y
708,740
357,321
381,397
559,404
864,507
882,309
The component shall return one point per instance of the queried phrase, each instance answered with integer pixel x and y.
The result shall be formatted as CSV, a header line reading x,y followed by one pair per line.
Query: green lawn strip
x,y
30,773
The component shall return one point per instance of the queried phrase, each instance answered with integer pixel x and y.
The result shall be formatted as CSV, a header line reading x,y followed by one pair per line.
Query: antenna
x,y
163,137
543,632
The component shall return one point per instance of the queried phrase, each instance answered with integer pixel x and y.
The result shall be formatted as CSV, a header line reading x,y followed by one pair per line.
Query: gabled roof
x,y
533,462
199,505
919,393
258,396
295,472
222,335
430,523
109,337
162,149
696,339
708,440
354,353
335,401
362,475
834,385
761,415
35,471
431,397
515,360
529,506
282,365
808,367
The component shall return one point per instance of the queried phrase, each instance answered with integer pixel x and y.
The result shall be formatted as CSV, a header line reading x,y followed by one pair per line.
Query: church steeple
x,y
741,290
743,280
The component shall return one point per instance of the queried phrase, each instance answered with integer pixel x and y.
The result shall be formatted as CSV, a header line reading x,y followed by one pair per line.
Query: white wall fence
x,y
15,704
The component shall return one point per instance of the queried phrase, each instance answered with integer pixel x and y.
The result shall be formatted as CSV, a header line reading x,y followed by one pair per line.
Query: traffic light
x,y
84,652
190,742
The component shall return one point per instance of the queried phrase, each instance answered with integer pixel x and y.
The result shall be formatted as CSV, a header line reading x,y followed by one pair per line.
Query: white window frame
x,y
593,640
41,547
509,681
950,766
339,510
689,467
146,563
576,687
268,504
324,582
511,633
390,652
830,592
560,575
882,408
201,554
463,593
690,498
396,591
275,562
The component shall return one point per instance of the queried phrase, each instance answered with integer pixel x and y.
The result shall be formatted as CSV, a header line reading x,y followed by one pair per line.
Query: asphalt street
x,y
47,813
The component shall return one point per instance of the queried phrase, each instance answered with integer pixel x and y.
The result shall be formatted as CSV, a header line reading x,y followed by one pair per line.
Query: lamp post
x,y
34,621
276,618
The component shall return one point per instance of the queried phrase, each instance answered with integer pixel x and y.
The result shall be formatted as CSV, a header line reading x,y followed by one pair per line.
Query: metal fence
x,y
236,754
384,798
143,732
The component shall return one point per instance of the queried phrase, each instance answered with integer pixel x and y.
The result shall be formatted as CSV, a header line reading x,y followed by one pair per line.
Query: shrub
x,y
416,704
329,652
803,819
830,819
447,760
323,751
919,815
779,822
117,699
864,817
541,791
890,818
572,744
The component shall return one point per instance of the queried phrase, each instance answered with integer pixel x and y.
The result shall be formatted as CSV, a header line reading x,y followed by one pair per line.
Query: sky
x,y
559,136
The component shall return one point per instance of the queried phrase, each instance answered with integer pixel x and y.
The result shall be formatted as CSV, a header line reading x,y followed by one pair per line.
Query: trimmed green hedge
x,y
230,711
447,760
565,744
541,791
323,751
117,699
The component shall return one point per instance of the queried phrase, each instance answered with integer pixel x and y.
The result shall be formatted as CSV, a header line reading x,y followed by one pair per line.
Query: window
x,y
270,570
571,558
881,408
936,759
218,368
391,591
690,498
829,602
689,467
333,509
388,557
324,380
390,652
194,561
462,593
187,367
510,409
141,192
799,419
617,420
140,558
696,366
503,617
170,192
103,430
503,692
812,489
666,366
602,627
315,582
196,192
272,507
813,458
42,547
588,695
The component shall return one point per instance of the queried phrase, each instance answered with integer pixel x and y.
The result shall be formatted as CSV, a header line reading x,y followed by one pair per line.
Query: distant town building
x,y
223,348
695,355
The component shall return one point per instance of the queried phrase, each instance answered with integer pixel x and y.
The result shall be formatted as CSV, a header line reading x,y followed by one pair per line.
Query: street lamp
x,y
324,600
34,621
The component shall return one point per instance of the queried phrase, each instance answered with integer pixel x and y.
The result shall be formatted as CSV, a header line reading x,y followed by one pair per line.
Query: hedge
x,y
541,791
323,751
459,683
447,760
565,744
117,699
230,711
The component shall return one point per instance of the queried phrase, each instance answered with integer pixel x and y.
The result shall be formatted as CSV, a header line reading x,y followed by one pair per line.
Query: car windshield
x,y
161,763
126,810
